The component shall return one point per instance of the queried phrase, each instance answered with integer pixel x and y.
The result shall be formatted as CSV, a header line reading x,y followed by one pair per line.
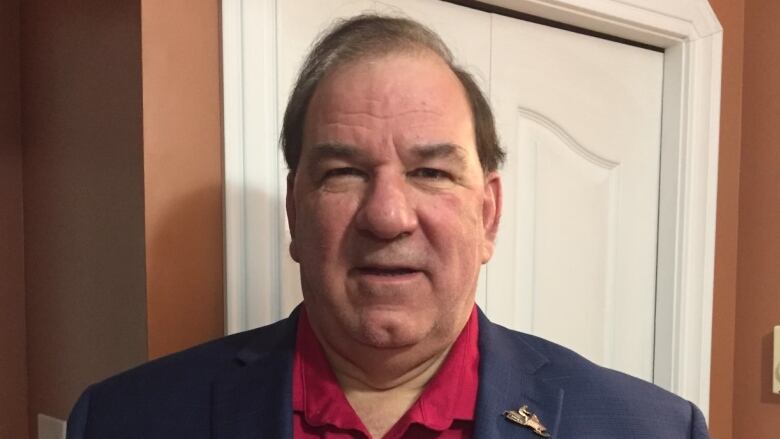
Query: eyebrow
x,y
448,151
333,151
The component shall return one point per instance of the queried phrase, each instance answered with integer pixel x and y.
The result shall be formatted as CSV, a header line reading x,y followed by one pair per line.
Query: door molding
x,y
692,38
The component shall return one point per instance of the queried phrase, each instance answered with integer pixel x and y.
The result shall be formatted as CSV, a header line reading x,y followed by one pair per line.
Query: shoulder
x,y
556,363
576,372
599,401
193,368
172,391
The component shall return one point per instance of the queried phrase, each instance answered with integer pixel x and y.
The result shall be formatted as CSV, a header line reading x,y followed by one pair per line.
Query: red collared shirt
x,y
445,409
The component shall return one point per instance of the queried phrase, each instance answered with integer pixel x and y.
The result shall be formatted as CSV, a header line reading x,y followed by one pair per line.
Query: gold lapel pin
x,y
524,417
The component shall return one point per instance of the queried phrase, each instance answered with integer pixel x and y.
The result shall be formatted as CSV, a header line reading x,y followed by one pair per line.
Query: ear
x,y
491,213
291,214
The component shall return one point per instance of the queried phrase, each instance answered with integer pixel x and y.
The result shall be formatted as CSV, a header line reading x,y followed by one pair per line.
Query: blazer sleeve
x,y
77,421
698,424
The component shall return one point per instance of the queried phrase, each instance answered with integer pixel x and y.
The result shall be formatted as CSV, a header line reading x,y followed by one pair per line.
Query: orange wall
x,y
732,18
13,374
182,172
756,409
747,301
83,196
122,173
122,170
110,118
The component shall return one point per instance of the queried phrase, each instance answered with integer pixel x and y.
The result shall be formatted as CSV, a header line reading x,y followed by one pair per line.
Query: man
x,y
394,201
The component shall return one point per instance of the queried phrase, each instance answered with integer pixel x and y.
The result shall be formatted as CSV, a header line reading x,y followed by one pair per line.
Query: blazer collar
x,y
253,399
509,379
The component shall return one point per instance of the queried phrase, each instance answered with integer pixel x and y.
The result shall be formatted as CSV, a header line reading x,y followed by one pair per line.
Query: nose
x,y
386,211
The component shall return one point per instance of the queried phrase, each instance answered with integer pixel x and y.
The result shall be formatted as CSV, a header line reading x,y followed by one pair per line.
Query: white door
x,y
580,119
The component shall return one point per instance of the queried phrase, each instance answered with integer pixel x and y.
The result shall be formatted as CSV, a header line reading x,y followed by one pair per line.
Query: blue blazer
x,y
239,387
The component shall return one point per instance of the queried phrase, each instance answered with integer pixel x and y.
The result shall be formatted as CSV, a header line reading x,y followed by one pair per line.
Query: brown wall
x,y
110,118
747,301
732,18
13,374
83,196
183,173
122,173
756,409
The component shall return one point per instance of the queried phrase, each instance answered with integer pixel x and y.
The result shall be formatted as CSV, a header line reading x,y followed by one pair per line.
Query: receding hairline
x,y
369,36
416,50
421,52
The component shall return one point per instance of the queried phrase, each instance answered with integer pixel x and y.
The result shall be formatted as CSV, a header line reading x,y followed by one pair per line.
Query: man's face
x,y
390,211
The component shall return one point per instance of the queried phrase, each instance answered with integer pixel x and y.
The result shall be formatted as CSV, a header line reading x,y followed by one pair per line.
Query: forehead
x,y
412,97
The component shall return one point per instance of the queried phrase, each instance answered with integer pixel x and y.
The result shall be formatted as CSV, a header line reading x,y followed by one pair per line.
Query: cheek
x,y
322,223
453,225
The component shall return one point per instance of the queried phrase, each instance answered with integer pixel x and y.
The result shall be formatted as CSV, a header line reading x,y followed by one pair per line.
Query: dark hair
x,y
372,36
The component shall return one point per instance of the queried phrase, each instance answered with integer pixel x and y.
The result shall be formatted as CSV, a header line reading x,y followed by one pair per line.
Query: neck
x,y
382,388
381,370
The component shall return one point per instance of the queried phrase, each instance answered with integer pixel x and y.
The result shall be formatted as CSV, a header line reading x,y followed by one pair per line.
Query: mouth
x,y
387,272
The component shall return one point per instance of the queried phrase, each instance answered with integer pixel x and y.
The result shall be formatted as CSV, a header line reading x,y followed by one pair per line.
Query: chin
x,y
391,330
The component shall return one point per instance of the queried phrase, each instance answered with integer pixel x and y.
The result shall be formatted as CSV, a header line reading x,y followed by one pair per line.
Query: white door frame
x,y
692,39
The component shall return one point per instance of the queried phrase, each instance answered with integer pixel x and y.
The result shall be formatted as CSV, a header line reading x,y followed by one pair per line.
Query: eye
x,y
431,174
342,172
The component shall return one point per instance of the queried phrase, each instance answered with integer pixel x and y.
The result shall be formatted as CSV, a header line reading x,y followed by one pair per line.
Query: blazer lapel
x,y
254,400
508,380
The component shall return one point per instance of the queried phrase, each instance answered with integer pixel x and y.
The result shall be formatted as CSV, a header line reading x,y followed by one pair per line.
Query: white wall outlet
x,y
776,363
50,428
